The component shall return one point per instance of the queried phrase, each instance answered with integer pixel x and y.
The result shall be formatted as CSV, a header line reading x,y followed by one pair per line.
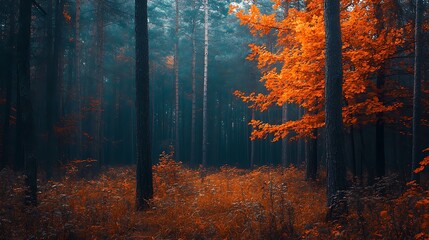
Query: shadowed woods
x,y
184,119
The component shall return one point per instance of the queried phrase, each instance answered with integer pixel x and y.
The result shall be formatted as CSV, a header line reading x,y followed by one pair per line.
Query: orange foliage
x,y
169,62
423,163
93,106
122,55
227,204
266,203
293,72
67,16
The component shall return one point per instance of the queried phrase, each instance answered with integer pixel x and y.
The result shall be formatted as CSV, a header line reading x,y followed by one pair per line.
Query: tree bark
x,y
10,80
78,83
194,96
176,81
285,140
333,106
417,91
380,157
252,145
99,138
53,83
144,187
25,108
311,157
206,60
380,160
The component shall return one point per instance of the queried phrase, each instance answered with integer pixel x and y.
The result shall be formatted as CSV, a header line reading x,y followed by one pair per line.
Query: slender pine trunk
x,y
417,91
78,83
26,139
176,85
311,157
206,60
194,96
10,80
99,74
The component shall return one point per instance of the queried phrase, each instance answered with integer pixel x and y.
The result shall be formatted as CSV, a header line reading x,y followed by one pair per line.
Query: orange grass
x,y
265,203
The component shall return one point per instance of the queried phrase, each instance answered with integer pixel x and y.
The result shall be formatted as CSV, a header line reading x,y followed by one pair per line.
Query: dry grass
x,y
266,203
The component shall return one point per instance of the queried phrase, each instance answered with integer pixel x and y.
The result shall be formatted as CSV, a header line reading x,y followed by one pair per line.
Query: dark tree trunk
x,y
379,127
285,140
311,157
144,191
176,85
99,75
205,86
301,143
333,106
380,161
194,96
25,108
353,147
53,81
252,145
10,79
78,81
417,101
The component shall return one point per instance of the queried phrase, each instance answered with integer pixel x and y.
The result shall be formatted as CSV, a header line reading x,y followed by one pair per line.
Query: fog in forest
x,y
166,119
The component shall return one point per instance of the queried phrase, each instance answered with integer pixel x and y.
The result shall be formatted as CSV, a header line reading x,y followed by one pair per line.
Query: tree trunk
x,y
379,127
98,140
78,83
285,140
53,83
353,147
25,108
311,157
417,101
176,74
252,145
144,187
194,96
301,153
206,60
10,79
380,161
333,106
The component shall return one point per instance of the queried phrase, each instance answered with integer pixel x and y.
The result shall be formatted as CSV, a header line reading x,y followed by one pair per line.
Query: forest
x,y
214,119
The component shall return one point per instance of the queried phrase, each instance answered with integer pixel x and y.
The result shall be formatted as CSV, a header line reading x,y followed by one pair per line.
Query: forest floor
x,y
265,203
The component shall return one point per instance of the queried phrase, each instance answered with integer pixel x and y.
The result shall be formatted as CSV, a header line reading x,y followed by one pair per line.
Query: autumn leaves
x,y
293,70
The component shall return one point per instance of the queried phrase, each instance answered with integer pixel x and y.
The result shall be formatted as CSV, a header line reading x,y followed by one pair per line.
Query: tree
x,y
53,81
176,81
78,79
194,93
10,80
311,156
25,120
285,140
333,103
144,189
99,76
206,61
289,76
417,90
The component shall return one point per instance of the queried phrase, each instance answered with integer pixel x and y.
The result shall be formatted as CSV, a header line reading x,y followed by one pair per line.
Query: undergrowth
x,y
265,203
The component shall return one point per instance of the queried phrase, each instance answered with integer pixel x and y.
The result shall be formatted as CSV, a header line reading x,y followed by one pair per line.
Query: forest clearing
x,y
214,119
264,203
